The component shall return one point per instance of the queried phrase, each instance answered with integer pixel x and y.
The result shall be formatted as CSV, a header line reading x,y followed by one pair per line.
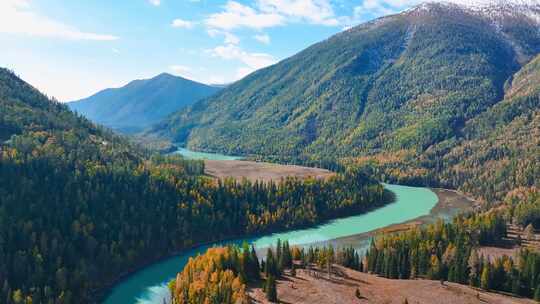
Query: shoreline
x,y
451,203
100,296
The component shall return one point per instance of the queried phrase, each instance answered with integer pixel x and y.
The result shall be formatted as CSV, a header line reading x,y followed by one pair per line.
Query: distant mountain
x,y
141,102
400,87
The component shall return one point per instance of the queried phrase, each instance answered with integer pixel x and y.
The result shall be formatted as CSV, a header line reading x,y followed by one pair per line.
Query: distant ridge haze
x,y
142,102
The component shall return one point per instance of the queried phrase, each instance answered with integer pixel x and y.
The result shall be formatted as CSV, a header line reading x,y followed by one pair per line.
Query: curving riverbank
x,y
413,206
149,284
449,204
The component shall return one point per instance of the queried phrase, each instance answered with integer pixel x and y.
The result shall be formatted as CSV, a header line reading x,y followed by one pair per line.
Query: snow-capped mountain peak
x,y
488,3
494,10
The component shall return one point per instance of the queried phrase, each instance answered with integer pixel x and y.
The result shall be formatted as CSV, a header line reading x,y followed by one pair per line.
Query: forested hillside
x,y
494,153
141,103
79,206
429,92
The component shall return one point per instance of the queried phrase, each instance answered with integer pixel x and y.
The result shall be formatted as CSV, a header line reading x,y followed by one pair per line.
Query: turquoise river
x,y
149,284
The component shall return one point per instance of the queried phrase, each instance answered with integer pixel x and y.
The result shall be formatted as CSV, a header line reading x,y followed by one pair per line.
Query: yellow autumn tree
x,y
211,278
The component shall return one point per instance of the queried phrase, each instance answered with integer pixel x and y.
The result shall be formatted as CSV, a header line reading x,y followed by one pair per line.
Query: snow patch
x,y
484,3
493,10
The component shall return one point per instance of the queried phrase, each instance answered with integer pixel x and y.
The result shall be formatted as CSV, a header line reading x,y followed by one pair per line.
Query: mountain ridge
x,y
141,102
408,28
405,82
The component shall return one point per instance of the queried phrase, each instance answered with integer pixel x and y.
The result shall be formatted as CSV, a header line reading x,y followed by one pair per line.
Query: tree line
x,y
222,274
449,252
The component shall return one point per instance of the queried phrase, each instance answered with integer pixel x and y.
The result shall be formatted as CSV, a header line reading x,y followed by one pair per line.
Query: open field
x,y
239,169
316,287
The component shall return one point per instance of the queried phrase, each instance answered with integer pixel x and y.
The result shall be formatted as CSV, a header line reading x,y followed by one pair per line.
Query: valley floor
x,y
261,171
314,286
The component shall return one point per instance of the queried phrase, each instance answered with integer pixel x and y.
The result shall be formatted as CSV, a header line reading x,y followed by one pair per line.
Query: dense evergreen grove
x,y
524,207
222,274
80,206
449,252
101,221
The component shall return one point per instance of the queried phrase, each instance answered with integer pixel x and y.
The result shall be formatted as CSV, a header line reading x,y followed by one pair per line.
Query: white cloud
x,y
270,13
115,50
18,17
233,52
312,11
229,38
200,74
237,15
182,23
155,2
246,63
213,33
376,8
253,61
263,38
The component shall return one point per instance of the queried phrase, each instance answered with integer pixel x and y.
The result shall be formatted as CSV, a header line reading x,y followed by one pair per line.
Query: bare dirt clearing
x,y
492,253
239,169
341,287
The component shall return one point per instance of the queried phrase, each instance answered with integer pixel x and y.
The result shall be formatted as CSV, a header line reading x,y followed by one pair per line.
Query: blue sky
x,y
72,49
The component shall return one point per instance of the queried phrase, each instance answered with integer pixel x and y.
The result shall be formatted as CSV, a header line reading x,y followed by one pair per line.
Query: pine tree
x,y
516,285
254,261
271,267
537,293
435,269
270,286
473,264
278,252
485,279
286,259
243,267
